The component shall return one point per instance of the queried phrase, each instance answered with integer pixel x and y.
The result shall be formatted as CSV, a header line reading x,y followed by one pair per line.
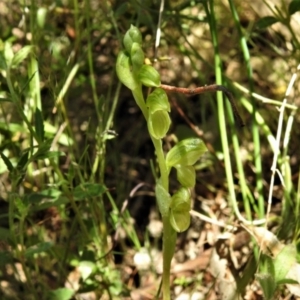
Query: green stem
x,y
255,128
169,234
169,241
140,101
221,111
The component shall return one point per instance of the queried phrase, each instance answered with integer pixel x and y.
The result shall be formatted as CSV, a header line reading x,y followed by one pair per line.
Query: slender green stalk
x,y
89,52
255,128
221,112
169,234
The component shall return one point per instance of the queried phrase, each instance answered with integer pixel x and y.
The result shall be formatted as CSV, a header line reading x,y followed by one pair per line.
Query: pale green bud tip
x,y
149,76
137,56
132,35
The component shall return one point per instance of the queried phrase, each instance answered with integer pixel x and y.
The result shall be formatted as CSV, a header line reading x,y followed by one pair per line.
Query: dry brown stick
x,y
205,89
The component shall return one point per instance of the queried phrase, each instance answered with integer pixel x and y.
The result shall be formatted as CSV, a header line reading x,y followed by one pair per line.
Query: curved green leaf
x,y
124,71
294,6
266,22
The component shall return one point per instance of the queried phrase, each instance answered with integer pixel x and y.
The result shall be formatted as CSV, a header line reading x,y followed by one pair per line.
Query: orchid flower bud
x,y
137,56
180,210
159,120
186,152
149,76
132,35
186,175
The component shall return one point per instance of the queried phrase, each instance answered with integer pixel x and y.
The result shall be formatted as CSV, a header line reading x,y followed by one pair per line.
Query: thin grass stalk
x,y
246,193
221,112
255,127
87,12
297,206
77,25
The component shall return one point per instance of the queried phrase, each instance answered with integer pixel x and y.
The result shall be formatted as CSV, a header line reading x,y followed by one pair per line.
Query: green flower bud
x,y
186,175
149,76
137,56
159,123
132,35
179,210
180,221
158,100
124,71
186,152
181,200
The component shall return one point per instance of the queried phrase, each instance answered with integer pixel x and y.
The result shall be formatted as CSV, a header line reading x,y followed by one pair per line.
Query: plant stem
x,y
169,241
169,234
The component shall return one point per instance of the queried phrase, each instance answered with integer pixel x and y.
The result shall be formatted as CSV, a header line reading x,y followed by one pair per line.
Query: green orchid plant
x,y
175,209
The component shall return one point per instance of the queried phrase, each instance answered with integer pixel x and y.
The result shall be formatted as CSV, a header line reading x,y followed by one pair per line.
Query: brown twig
x,y
205,89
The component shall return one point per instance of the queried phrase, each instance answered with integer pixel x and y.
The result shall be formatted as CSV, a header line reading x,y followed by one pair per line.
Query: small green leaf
x,y
88,190
163,199
294,6
39,125
38,248
86,268
8,53
158,100
284,262
186,175
23,161
21,55
61,294
287,281
266,22
124,71
149,76
267,284
133,35
7,162
186,152
159,124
